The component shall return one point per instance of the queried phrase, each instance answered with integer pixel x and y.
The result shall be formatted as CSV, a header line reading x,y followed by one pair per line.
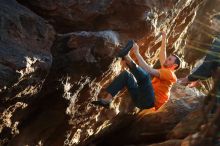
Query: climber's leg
x,y
125,79
138,83
146,91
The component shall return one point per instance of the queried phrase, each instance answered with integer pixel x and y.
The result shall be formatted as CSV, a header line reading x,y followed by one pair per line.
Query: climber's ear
x,y
177,62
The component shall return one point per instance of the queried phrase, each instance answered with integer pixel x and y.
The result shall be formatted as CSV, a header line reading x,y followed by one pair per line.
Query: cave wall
x,y
56,56
200,35
25,60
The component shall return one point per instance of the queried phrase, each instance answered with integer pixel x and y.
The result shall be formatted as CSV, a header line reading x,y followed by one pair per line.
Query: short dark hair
x,y
177,61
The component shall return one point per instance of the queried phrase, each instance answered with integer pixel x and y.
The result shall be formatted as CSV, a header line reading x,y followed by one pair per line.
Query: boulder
x,y
188,125
25,61
56,109
148,126
25,56
200,35
136,19
63,102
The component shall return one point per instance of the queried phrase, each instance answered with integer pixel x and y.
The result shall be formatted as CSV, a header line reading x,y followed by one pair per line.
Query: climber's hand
x,y
194,84
186,82
135,48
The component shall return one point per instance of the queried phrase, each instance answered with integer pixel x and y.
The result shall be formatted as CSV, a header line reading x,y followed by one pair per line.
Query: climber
x,y
211,61
144,92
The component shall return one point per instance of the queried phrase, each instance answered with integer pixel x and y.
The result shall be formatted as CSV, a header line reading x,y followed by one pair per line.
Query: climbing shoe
x,y
101,102
123,52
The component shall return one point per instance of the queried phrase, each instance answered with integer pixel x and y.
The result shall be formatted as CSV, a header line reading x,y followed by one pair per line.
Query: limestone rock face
x,y
189,125
89,47
79,62
93,15
25,56
48,78
132,19
200,34
149,126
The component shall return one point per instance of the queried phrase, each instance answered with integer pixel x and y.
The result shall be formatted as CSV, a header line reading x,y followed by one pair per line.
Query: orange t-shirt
x,y
162,86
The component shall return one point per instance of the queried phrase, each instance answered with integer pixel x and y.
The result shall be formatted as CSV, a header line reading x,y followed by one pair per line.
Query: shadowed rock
x,y
25,57
83,62
25,60
148,126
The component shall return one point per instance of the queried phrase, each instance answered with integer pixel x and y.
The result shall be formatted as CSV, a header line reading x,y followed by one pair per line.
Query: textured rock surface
x,y
200,34
25,60
25,56
78,58
148,126
82,57
187,126
132,19
123,16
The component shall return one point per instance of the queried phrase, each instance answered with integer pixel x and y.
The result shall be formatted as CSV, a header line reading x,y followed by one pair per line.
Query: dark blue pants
x,y
138,83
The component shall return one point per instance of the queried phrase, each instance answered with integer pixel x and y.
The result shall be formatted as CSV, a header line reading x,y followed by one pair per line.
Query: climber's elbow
x,y
154,72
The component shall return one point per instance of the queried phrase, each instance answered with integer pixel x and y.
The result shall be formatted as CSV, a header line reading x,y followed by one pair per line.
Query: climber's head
x,y
173,62
215,21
